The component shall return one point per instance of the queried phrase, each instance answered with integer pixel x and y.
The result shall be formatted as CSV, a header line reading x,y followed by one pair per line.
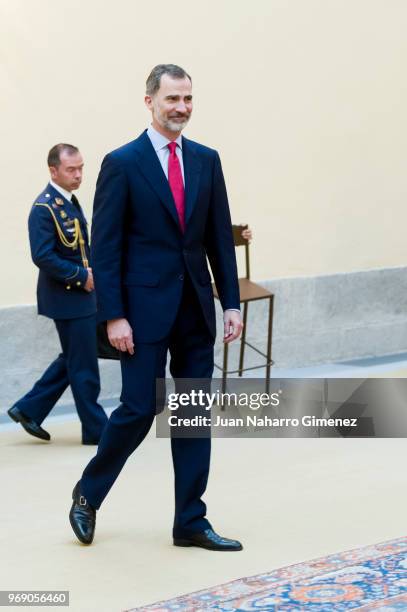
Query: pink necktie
x,y
176,183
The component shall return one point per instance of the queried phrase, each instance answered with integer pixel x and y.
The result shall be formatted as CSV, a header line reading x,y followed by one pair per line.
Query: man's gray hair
x,y
154,78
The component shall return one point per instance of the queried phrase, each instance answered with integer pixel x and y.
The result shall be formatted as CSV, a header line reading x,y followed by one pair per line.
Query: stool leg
x,y
225,368
243,338
269,338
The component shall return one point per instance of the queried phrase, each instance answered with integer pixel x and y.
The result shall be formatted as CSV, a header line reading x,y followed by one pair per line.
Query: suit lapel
x,y
150,166
192,171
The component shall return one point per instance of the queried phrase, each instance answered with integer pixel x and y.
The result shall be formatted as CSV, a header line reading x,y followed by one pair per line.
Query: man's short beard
x,y
168,124
173,126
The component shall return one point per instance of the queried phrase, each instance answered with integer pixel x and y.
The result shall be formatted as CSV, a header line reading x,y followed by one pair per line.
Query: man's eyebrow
x,y
178,96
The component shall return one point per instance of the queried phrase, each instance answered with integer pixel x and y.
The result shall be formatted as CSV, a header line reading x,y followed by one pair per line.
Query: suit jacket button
x,y
181,277
78,283
68,286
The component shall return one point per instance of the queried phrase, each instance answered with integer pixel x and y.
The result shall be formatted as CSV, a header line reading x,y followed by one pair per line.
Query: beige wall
x,y
305,100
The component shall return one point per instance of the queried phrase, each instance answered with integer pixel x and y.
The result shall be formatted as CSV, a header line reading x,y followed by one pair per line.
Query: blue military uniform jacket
x,y
53,224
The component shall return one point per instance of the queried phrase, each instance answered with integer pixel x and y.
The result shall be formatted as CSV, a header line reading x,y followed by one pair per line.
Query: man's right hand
x,y
89,285
120,335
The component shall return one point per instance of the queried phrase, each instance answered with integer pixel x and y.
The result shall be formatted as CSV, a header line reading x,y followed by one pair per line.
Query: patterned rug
x,y
370,578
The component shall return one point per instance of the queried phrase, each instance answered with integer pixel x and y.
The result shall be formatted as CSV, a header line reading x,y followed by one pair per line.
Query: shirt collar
x,y
159,141
62,191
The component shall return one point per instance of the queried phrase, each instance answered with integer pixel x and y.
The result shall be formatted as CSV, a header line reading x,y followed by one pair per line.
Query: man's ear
x,y
53,171
148,101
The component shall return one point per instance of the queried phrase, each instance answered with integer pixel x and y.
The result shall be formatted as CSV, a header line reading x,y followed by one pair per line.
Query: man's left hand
x,y
233,325
89,285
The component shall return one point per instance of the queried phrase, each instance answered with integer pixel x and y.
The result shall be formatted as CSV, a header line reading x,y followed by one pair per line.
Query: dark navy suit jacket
x,y
140,255
60,292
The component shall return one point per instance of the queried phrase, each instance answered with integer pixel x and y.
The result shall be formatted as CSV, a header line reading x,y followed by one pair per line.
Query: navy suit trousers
x,y
191,356
76,366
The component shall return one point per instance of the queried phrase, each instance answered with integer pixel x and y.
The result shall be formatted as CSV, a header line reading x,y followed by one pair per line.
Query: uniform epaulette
x,y
44,198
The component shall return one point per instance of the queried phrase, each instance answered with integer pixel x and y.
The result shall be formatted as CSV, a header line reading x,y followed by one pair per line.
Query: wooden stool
x,y
249,292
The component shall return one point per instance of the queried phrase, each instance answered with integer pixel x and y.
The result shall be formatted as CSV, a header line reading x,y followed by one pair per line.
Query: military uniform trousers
x,y
76,366
191,356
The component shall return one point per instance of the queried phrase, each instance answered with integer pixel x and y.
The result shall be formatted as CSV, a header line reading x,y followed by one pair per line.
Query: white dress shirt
x,y
62,191
160,144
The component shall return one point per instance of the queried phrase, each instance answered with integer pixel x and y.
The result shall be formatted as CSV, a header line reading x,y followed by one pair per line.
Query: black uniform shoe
x,y
29,425
82,517
210,540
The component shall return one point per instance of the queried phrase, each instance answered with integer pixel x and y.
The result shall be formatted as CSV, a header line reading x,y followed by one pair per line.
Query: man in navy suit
x,y
160,209
65,293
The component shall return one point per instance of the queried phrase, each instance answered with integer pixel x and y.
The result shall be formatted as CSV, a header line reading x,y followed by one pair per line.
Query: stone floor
x,y
288,500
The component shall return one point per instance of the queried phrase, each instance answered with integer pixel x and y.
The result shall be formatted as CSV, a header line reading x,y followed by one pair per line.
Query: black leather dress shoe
x,y
210,540
29,425
82,517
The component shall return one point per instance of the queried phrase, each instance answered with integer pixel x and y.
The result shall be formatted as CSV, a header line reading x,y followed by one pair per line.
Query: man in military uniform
x,y
65,292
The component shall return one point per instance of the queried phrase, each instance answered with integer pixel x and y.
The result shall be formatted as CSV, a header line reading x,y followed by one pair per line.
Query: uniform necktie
x,y
176,183
75,201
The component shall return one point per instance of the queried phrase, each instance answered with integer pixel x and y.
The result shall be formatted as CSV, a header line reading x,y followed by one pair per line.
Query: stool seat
x,y
249,291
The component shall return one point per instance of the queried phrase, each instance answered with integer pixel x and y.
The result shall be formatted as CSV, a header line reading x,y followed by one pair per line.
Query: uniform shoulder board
x,y
44,198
